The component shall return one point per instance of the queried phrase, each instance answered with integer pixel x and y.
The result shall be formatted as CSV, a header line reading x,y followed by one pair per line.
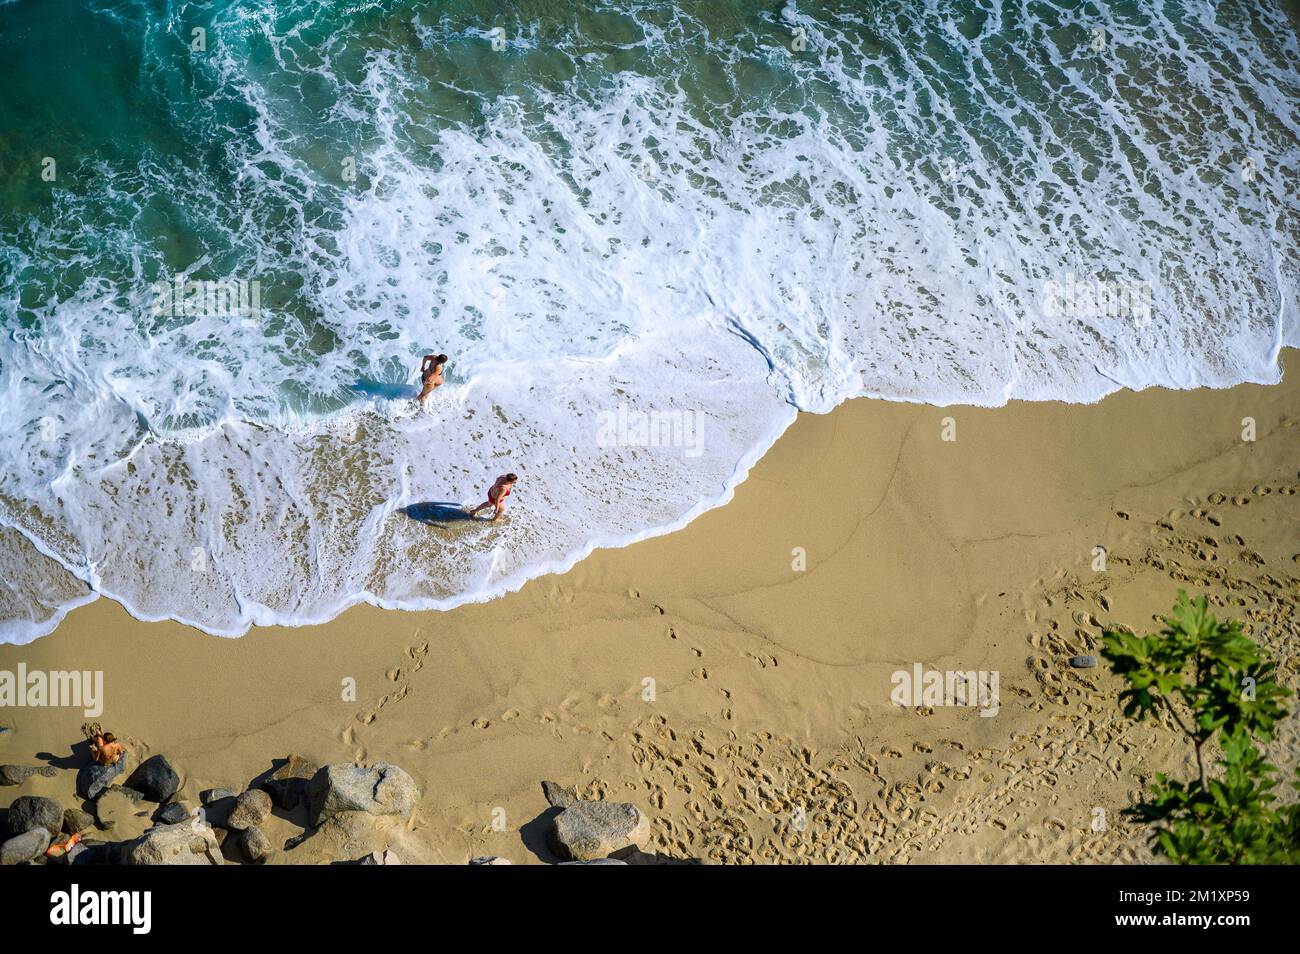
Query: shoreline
x,y
563,564
771,684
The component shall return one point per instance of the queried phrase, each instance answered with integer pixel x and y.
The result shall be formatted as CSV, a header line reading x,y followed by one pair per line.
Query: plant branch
x,y
1197,741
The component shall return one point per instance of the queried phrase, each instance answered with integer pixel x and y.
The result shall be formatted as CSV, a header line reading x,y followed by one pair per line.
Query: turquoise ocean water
x,y
229,230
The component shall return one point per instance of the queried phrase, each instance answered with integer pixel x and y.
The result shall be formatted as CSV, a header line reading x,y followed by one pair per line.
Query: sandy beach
x,y
733,679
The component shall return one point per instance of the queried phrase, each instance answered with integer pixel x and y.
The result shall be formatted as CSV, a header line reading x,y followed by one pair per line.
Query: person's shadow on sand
x,y
80,756
437,513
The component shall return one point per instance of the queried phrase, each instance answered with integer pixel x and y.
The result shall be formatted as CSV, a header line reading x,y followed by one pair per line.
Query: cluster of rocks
x,y
232,824
33,821
180,835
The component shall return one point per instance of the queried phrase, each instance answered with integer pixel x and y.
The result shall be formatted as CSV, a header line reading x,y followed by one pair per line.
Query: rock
x,y
17,774
1083,662
155,778
25,847
382,789
558,795
358,834
93,779
254,845
34,811
588,831
489,860
71,857
596,861
173,813
287,785
385,857
75,820
189,843
216,795
251,809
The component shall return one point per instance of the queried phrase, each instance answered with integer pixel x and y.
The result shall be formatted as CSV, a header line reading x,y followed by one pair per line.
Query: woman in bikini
x,y
497,495
431,374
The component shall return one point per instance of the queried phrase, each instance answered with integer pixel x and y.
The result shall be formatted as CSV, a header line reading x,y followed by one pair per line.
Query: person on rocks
x,y
105,749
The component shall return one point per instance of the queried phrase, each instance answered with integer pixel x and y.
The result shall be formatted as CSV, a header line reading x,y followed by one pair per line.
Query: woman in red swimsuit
x,y
497,495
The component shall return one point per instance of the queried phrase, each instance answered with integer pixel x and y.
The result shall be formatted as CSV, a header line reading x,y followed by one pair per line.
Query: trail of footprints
x,y
399,676
759,797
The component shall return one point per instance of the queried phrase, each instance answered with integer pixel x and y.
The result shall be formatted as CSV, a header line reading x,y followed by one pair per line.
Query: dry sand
x,y
769,734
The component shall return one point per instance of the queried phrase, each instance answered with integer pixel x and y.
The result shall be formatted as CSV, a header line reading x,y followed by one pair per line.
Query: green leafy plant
x,y
1216,685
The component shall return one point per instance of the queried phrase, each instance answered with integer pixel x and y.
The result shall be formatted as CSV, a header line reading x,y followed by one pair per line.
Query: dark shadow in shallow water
x,y
437,513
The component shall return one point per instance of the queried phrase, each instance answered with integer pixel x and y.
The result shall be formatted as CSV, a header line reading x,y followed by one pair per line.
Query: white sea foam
x,y
620,243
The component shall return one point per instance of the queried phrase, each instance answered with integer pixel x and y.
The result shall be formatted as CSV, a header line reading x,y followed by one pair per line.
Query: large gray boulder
x,y
94,778
591,831
251,809
17,774
34,811
25,847
189,843
381,789
155,779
